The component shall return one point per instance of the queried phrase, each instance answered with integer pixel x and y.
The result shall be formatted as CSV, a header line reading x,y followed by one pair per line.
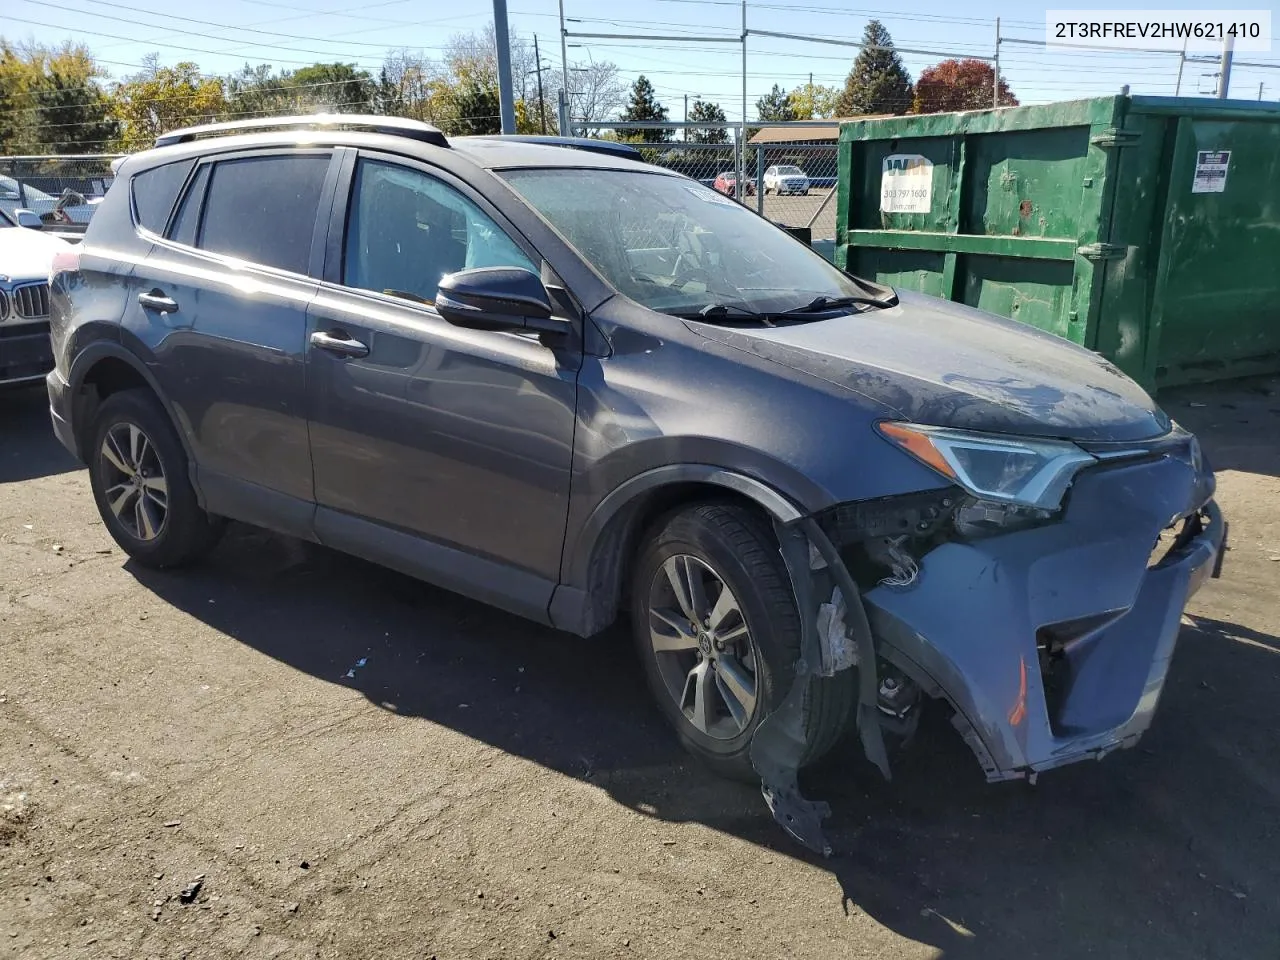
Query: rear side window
x,y
156,190
263,209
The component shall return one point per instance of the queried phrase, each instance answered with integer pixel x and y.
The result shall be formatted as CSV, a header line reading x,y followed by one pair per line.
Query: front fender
x,y
584,601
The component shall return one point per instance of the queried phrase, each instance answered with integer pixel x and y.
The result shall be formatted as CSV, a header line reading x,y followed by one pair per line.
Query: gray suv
x,y
579,387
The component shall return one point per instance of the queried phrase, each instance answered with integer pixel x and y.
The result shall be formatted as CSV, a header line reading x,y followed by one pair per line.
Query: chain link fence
x,y
789,170
61,190
789,175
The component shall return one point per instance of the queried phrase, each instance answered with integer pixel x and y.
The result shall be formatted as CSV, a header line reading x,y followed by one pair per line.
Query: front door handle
x,y
157,300
341,345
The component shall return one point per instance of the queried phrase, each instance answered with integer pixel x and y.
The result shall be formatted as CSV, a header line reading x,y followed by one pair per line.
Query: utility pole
x,y
740,183
1182,62
563,102
542,104
1224,76
506,99
1260,91
995,84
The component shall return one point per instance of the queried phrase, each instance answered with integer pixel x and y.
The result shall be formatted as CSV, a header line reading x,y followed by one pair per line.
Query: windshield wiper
x,y
719,311
820,303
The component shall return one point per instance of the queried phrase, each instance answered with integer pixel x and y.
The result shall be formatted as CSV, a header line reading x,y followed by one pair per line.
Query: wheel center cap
x,y
704,644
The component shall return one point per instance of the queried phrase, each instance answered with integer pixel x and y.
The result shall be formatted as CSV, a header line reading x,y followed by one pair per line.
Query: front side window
x,y
406,230
676,246
263,209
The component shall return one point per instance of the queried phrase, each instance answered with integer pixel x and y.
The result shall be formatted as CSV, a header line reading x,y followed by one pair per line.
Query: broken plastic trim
x,y
779,743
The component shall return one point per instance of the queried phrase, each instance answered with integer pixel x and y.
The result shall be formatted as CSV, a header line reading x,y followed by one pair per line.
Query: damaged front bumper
x,y
1051,643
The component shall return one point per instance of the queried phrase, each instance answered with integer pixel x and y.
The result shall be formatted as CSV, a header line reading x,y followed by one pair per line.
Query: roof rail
x,y
609,147
394,126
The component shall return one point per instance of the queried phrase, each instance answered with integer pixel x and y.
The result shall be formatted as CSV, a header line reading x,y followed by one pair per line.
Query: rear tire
x,y
717,675
139,473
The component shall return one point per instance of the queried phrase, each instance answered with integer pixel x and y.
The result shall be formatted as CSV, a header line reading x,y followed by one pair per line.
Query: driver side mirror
x,y
28,218
497,298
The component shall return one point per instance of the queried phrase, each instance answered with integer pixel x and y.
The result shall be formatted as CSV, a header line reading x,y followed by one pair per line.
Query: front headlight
x,y
1006,469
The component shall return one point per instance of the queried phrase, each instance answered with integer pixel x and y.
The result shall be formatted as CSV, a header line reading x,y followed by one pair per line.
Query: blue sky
x,y
221,37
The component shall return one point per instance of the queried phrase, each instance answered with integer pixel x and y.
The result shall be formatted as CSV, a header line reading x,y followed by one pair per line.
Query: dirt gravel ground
x,y
356,765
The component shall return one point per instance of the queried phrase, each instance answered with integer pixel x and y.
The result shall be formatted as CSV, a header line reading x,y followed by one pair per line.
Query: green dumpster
x,y
1146,228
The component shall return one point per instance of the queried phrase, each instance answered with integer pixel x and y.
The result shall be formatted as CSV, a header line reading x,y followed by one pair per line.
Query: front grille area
x,y
31,301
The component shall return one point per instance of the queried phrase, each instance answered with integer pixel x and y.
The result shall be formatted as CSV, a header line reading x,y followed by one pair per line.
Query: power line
x,y
172,46
188,33
207,23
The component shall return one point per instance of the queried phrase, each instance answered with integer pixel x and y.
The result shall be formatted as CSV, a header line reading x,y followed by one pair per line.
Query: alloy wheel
x,y
703,647
134,484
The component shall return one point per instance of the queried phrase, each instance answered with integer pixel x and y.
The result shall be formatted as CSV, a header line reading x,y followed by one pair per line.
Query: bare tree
x,y
596,91
475,55
471,59
411,85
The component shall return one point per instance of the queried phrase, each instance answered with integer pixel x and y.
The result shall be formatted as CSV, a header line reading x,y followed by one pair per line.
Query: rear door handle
x,y
157,301
342,346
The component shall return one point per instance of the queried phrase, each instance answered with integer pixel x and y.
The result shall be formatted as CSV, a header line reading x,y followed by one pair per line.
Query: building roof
x,y
788,133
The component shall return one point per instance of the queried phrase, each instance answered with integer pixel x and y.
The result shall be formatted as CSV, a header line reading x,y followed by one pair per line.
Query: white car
x,y
26,257
785,178
70,208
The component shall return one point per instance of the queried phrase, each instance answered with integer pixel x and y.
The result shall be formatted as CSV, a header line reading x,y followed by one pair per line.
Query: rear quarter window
x,y
263,209
187,219
156,190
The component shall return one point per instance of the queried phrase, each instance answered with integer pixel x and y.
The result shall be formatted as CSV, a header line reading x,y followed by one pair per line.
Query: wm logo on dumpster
x,y
906,183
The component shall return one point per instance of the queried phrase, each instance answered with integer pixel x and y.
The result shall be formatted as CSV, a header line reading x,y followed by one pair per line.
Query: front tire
x,y
138,471
715,621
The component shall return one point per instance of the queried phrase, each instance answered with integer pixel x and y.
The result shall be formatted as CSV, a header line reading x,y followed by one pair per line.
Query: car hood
x,y
28,254
937,362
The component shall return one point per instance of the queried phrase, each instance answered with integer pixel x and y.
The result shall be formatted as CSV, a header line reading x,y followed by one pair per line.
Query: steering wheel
x,y
689,271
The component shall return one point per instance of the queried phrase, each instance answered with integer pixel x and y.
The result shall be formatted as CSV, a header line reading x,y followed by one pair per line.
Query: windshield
x,y
791,171
676,246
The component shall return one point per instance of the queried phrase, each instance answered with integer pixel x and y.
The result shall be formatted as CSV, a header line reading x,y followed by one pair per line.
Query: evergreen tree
x,y
706,112
644,105
75,115
878,82
479,110
333,87
775,106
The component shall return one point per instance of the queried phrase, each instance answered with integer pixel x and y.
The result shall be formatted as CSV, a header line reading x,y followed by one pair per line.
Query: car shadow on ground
x,y
1155,852
28,448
